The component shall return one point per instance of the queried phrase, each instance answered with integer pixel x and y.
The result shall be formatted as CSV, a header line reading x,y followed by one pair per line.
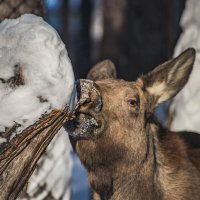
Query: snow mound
x,y
185,106
36,74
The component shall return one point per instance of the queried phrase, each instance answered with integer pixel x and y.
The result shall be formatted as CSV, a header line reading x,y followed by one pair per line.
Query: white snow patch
x,y
186,104
37,49
55,171
2,140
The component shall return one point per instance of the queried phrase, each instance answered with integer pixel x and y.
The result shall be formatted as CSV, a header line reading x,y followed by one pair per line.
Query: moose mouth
x,y
84,126
88,121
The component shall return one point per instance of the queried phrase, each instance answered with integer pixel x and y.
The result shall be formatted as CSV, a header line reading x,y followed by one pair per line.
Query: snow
x,y
2,140
186,104
55,168
36,76
31,50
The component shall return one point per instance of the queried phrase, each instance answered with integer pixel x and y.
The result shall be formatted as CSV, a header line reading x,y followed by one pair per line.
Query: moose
x,y
128,154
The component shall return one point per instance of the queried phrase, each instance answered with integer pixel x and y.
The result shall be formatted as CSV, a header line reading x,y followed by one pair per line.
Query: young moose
x,y
128,154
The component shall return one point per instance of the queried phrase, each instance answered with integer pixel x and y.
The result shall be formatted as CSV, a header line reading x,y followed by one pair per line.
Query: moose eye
x,y
132,102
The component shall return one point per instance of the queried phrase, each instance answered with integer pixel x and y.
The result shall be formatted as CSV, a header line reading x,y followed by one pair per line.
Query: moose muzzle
x,y
87,121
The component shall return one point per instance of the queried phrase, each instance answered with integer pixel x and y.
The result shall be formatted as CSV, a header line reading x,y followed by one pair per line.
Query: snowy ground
x,y
79,185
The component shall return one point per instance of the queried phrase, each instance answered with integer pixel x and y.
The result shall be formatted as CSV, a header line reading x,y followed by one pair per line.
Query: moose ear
x,y
166,80
102,70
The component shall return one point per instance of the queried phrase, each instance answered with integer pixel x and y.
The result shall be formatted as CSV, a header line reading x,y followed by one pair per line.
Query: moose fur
x,y
127,153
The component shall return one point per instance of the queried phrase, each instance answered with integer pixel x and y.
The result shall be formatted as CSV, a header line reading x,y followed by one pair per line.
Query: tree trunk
x,y
15,8
139,34
113,23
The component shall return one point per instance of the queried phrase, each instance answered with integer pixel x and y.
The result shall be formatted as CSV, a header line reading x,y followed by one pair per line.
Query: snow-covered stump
x,y
37,96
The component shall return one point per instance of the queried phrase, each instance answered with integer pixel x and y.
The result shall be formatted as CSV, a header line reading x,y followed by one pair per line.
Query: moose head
x,y
127,153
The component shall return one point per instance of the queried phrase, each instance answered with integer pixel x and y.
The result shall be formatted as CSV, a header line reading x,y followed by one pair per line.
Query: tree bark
x,y
15,8
18,160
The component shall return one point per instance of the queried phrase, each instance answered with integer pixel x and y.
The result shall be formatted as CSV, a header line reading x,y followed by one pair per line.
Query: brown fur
x,y
133,157
102,70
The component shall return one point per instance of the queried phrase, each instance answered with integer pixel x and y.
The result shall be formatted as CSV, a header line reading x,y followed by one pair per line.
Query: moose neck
x,y
137,181
140,184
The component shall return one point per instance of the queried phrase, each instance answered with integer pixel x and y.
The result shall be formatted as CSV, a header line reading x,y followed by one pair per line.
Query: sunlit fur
x,y
134,157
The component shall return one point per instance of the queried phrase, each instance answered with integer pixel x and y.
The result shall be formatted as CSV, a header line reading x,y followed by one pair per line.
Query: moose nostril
x,y
78,89
89,94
